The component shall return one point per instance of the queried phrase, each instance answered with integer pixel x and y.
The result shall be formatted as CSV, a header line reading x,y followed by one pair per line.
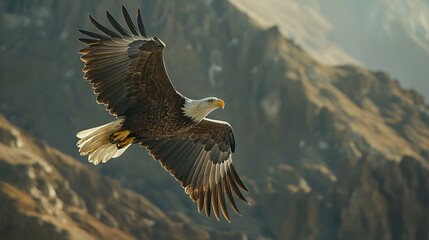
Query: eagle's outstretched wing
x,y
125,67
201,159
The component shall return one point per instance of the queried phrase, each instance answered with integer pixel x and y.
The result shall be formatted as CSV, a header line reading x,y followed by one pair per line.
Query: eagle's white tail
x,y
95,143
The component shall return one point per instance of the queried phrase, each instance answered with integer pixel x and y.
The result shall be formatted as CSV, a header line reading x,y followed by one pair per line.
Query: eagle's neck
x,y
196,109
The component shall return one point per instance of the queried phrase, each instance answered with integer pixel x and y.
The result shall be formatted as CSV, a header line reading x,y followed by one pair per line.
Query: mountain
x,y
328,152
392,36
304,23
46,194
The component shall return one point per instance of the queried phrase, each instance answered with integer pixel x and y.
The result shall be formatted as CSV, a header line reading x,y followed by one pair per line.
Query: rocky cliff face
x,y
379,34
46,194
328,152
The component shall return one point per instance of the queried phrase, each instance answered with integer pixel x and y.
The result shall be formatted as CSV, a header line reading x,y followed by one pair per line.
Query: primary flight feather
x,y
126,70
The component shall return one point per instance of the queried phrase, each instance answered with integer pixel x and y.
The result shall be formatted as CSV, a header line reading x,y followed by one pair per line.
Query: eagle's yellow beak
x,y
221,103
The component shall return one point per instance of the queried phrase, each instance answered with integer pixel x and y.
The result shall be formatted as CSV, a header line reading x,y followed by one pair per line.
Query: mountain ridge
x,y
380,35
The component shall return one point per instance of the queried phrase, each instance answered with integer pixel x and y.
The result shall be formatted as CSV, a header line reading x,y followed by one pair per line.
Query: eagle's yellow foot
x,y
119,136
127,141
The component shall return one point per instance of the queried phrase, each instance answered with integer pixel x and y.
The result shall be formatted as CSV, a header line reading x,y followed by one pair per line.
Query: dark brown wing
x,y
201,159
125,66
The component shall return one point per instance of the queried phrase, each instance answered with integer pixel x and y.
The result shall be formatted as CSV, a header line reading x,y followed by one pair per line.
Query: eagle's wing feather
x,y
201,159
125,67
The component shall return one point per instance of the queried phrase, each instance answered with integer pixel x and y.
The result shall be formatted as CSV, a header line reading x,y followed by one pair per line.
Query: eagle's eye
x,y
210,100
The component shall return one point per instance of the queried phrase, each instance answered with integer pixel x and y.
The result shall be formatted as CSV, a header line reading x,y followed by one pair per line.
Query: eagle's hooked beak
x,y
221,103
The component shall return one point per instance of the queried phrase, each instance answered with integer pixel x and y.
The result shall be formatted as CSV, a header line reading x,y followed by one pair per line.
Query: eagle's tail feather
x,y
95,143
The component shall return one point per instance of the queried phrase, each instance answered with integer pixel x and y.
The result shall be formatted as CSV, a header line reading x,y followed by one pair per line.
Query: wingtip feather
x,y
115,24
200,201
215,203
207,202
221,200
140,24
237,178
231,198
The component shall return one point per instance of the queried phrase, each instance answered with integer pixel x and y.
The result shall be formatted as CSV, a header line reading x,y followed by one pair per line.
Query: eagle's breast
x,y
158,118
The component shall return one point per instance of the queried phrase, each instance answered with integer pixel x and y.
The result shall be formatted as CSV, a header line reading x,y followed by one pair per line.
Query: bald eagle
x,y
127,73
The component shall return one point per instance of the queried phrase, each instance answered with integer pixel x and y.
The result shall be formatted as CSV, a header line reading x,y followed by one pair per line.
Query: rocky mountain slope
x,y
302,22
46,194
328,152
383,35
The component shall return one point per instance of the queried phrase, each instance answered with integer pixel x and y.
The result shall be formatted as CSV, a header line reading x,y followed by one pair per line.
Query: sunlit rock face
x,y
46,194
378,34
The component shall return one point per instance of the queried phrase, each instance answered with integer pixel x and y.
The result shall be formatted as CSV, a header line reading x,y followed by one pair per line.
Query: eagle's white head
x,y
199,109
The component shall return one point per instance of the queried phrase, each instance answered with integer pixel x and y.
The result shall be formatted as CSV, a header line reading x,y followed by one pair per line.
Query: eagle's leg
x,y
127,141
119,136
122,138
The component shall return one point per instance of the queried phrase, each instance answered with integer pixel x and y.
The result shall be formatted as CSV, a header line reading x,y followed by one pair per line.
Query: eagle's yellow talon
x,y
119,136
125,142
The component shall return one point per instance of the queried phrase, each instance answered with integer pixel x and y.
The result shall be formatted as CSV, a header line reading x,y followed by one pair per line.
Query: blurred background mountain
x,y
388,35
329,150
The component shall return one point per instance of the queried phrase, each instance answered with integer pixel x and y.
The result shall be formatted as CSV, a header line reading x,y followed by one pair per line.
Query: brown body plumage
x,y
127,73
